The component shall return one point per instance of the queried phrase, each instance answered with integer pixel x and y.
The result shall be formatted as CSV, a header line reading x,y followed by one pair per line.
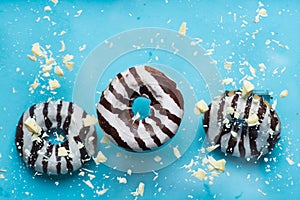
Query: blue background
x,y
213,21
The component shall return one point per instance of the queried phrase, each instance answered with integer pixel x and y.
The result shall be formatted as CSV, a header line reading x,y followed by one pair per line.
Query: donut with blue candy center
x,y
127,129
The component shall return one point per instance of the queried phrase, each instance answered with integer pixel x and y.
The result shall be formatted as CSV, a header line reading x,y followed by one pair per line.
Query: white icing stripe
x,y
110,97
145,136
165,121
247,145
38,164
262,137
52,161
164,99
214,126
27,138
159,134
74,128
117,123
117,85
224,141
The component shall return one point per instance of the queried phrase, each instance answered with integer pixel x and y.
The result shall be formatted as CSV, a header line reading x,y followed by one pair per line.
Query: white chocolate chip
x,y
234,134
252,120
89,184
200,174
67,58
182,29
54,84
89,120
139,190
58,71
82,48
228,65
69,65
247,88
36,49
157,158
176,152
80,145
213,147
105,140
35,84
47,8
262,67
122,180
227,81
100,158
46,68
32,126
201,107
217,164
290,161
230,110
284,93
263,12
101,192
62,151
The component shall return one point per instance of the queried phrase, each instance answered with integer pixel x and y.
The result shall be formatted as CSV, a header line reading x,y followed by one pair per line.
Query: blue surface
x,y
213,21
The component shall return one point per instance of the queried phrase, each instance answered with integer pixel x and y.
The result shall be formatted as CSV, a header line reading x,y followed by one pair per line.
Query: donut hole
x,y
56,136
141,107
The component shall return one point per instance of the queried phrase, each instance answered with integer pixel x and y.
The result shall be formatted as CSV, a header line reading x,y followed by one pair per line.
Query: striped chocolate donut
x,y
117,119
44,156
225,123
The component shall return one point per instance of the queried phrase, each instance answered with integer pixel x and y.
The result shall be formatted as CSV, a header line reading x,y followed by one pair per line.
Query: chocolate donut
x,y
243,126
118,121
32,142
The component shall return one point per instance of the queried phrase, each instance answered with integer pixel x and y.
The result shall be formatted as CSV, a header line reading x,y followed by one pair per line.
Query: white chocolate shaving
x,y
176,152
101,192
89,184
100,158
32,126
63,46
252,120
247,88
290,161
69,65
157,158
201,107
47,8
62,151
284,93
122,180
54,84
200,174
213,147
228,65
35,84
217,164
36,49
58,71
139,190
32,58
182,29
89,120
